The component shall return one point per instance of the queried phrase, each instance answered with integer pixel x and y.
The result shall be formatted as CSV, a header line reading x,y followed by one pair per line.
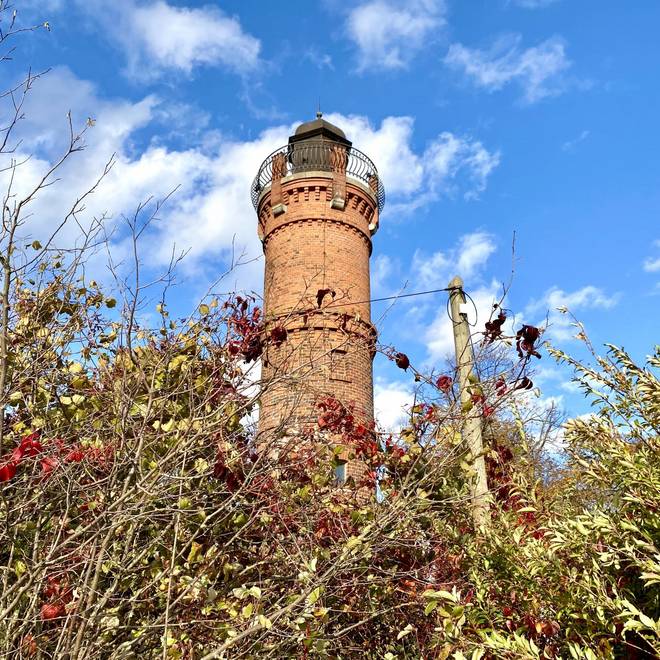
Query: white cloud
x,y
181,38
382,266
431,271
450,154
211,212
474,251
652,264
210,208
449,163
392,403
538,70
389,147
388,33
560,325
157,36
466,260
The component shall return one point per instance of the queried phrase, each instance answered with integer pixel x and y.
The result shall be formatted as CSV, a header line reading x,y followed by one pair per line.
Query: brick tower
x,y
318,200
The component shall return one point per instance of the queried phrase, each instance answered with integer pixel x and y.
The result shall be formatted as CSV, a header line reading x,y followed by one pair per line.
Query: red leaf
x,y
278,334
524,384
402,361
30,444
48,464
444,383
7,471
322,293
494,328
52,611
75,456
526,337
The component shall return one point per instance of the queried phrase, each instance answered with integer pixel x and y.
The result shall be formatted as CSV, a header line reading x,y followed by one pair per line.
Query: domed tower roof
x,y
319,129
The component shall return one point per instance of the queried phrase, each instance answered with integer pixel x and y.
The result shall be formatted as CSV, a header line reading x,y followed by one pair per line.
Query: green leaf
x,y
406,631
315,595
431,605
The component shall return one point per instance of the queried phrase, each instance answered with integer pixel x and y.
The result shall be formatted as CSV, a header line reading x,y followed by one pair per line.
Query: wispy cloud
x,y
652,264
382,268
451,164
318,59
207,215
389,33
467,258
156,36
561,325
570,145
449,154
537,70
533,4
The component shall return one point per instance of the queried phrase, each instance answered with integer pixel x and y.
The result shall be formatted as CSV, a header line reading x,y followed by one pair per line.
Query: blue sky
x,y
484,117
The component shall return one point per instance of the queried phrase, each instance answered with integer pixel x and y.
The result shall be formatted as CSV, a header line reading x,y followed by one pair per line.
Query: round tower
x,y
318,201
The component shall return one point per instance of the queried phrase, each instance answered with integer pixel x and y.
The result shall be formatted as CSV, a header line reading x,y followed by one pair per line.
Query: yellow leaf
x,y
265,622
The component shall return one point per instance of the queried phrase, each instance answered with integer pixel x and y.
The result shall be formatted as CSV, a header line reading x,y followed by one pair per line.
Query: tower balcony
x,y
302,158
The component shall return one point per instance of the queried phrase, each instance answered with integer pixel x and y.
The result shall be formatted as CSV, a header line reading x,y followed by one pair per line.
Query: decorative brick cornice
x,y
297,192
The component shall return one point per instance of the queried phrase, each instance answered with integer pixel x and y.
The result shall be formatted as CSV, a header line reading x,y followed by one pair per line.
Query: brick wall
x,y
310,246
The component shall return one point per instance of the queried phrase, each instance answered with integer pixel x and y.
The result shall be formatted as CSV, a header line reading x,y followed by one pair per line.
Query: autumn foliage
x,y
142,516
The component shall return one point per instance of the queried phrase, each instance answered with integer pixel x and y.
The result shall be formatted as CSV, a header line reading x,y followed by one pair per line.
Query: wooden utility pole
x,y
471,430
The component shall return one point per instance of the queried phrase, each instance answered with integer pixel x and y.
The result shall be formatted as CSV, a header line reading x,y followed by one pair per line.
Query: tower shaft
x,y
317,215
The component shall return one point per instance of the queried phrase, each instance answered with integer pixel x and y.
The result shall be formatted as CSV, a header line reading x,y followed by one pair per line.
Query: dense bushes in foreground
x,y
138,519
141,518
